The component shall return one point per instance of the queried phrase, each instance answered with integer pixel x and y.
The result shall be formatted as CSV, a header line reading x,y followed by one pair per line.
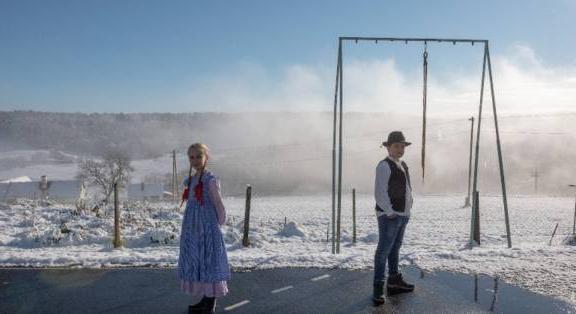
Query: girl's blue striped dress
x,y
203,264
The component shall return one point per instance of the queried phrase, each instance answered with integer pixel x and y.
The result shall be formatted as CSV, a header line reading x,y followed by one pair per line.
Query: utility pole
x,y
535,175
174,177
467,201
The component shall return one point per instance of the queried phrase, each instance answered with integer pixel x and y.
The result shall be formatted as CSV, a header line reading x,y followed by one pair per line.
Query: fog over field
x,y
291,153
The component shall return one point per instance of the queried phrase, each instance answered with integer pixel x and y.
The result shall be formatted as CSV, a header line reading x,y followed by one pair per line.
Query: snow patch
x,y
18,179
291,229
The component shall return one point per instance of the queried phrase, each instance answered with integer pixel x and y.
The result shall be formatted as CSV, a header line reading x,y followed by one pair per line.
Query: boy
x,y
393,194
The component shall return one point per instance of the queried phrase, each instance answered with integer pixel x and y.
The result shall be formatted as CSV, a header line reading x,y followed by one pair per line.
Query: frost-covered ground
x,y
436,237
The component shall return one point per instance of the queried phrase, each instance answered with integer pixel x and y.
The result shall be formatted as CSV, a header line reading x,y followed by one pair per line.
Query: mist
x,y
291,153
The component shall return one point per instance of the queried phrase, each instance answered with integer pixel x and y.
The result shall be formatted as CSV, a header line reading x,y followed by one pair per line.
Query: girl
x,y
203,263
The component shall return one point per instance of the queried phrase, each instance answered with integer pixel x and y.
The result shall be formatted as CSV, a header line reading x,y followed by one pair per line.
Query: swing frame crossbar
x,y
338,126
392,39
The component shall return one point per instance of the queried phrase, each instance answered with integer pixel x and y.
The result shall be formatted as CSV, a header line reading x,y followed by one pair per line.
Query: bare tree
x,y
113,168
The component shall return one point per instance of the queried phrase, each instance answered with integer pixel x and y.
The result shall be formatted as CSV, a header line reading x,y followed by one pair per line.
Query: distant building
x,y
71,190
58,189
145,191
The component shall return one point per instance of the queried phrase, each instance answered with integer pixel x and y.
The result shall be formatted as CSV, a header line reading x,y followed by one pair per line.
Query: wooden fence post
x,y
553,233
354,216
477,217
573,222
245,240
117,240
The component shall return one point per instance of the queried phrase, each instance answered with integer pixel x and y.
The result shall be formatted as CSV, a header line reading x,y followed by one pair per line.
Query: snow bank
x,y
17,179
291,229
436,237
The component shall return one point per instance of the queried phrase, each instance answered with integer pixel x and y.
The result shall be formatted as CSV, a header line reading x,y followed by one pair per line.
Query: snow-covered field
x,y
436,237
59,165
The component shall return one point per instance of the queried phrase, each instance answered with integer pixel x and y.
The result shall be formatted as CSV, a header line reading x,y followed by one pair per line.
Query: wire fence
x,y
529,217
433,216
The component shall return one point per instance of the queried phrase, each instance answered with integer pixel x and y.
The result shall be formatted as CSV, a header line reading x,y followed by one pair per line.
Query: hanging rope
x,y
424,98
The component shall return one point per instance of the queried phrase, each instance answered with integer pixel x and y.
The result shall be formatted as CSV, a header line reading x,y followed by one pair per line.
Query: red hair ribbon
x,y
198,190
185,194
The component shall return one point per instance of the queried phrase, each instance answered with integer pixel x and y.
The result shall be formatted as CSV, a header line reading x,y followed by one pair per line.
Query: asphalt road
x,y
286,290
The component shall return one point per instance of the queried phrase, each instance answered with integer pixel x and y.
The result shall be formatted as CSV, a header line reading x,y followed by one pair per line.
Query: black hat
x,y
395,137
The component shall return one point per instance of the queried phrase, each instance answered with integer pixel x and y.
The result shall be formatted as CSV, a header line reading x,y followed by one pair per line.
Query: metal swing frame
x,y
338,125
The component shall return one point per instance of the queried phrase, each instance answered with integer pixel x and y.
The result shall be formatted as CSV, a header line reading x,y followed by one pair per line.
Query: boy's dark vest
x,y
397,186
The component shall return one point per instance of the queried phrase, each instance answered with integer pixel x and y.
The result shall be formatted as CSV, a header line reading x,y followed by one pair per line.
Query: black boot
x,y
206,305
378,298
210,305
196,308
396,284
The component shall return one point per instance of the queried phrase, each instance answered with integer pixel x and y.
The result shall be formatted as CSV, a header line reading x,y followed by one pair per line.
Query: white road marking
x,y
320,277
282,289
233,306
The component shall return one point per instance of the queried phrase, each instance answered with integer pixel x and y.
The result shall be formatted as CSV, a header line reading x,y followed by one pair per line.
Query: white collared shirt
x,y
383,172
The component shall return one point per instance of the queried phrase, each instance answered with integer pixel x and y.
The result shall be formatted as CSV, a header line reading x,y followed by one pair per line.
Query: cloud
x,y
523,84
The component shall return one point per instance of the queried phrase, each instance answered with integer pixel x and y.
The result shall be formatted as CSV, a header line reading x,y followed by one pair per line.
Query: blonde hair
x,y
199,147
202,149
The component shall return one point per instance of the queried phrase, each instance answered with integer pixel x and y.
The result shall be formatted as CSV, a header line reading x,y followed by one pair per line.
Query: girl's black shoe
x,y
209,305
197,308
206,305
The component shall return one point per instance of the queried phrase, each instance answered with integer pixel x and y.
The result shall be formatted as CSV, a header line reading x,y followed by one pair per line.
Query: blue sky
x,y
182,56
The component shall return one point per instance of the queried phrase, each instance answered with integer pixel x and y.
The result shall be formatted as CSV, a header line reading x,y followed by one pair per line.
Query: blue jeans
x,y
390,235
